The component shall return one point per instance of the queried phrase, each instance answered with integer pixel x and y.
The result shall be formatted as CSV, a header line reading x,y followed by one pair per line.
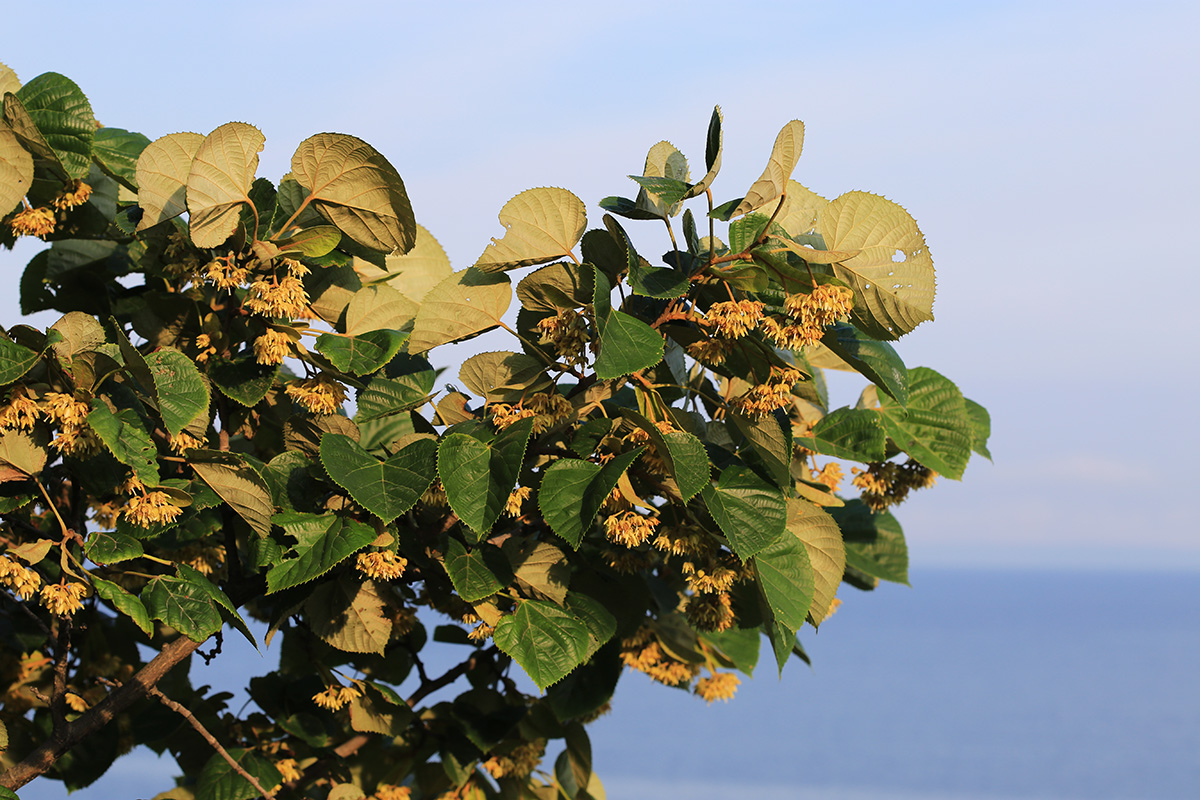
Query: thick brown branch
x,y
42,758
212,740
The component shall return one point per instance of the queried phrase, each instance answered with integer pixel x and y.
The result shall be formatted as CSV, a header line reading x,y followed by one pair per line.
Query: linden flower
x,y
224,275
721,686
294,267
334,697
643,653
776,393
63,599
713,580
76,440
76,703
288,771
21,411
734,319
435,495
149,508
504,415
278,297
320,395
519,762
822,307
389,791
481,632
184,441
65,409
37,222
831,475
834,605
76,194
787,336
629,528
888,483
711,351
567,333
516,499
681,542
272,347
710,612
551,408
24,582
381,565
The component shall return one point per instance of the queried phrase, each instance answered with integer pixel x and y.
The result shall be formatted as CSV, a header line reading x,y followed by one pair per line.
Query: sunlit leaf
x,y
361,354
123,601
463,305
376,307
15,360
542,225
934,427
413,273
162,175
479,476
477,573
182,393
826,553
387,489
314,557
16,170
117,151
750,512
239,485
350,615
126,436
182,605
547,641
774,180
713,145
63,117
573,490
219,182
786,579
494,376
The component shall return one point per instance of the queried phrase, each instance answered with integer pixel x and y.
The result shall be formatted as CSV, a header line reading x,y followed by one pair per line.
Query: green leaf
x,y
385,396
496,376
750,512
16,170
935,427
684,454
477,573
663,161
852,433
786,579
64,118
464,305
712,155
541,569
770,438
626,343
874,542
559,286
79,333
361,354
541,225
800,211
479,476
877,361
981,427
826,552
239,485
375,307
219,781
23,453
15,360
219,182
214,593
349,615
315,557
104,547
783,642
117,151
184,606
739,645
243,380
892,277
572,492
353,186
387,489
547,641
774,180
125,435
601,625
413,273
182,392
311,242
162,175
666,191
124,602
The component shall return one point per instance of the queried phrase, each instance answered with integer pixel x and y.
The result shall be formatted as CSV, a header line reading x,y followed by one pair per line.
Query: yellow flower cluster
x,y
822,307
626,562
76,194
776,393
288,770
21,411
63,599
710,612
504,415
480,632
224,273
643,653
629,528
75,437
735,318
518,762
831,475
719,686
435,495
711,578
887,483
711,351
682,541
24,582
551,408
382,565
76,703
389,791
272,347
517,498
334,697
37,222
277,297
320,395
567,333
146,509
184,441
105,515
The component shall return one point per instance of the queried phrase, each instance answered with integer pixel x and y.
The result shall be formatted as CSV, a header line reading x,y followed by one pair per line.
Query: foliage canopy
x,y
649,479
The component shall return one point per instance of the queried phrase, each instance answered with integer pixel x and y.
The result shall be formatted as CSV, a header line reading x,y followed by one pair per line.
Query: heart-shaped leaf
x,y
63,118
413,273
547,641
182,393
750,512
573,490
162,174
316,556
220,181
377,307
479,476
826,553
935,427
117,151
543,224
464,305
387,489
362,354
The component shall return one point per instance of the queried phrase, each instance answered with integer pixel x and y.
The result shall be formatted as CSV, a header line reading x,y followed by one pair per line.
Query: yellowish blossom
x,y
320,395
63,599
33,222
389,791
734,319
21,411
720,686
710,612
334,697
223,273
711,351
382,565
516,498
150,508
76,703
629,528
24,582
272,347
710,578
288,770
277,297
184,441
518,762
567,332
76,194
831,475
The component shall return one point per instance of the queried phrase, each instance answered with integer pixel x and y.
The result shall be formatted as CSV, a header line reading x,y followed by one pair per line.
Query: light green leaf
x,y
311,242
184,606
219,781
542,225
772,442
935,427
774,180
786,579
162,175
892,277
15,360
182,392
712,155
413,273
219,182
547,641
9,82
361,354
243,380
22,453
31,552
16,170
125,435
573,490
663,161
315,557
874,542
104,547
353,186
826,553
478,573
63,117
379,307
479,476
117,151
851,433
750,512
801,210
981,427
877,361
349,615
463,305
124,602
540,568
385,396
387,489
79,333
496,376
239,485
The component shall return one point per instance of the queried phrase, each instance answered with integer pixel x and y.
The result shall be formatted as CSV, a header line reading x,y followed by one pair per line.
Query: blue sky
x,y
1046,149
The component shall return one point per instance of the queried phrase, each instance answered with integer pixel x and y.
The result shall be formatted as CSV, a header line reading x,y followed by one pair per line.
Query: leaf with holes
x,y
934,427
387,489
749,511
316,556
573,490
182,392
541,224
826,553
354,187
162,175
220,180
479,476
774,180
495,376
892,276
547,641
464,305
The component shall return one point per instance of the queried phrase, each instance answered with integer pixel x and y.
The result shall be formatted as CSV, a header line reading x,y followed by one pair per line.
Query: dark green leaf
x,y
981,427
184,606
318,555
770,437
243,380
361,354
125,435
935,427
877,361
739,645
387,489
624,207
124,602
104,547
214,593
851,433
601,625
64,118
786,579
750,512
874,542
626,343
182,393
15,360
384,396
479,476
117,152
478,573
547,641
573,490
219,781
